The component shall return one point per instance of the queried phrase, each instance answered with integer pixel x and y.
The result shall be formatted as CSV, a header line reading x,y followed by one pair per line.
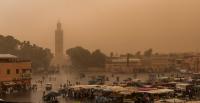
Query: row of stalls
x,y
187,88
120,94
9,87
165,91
168,90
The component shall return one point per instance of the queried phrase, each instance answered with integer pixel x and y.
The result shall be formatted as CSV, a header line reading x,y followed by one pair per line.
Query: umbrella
x,y
62,91
52,94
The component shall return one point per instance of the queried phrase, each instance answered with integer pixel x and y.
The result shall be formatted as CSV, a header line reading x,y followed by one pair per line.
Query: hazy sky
x,y
111,25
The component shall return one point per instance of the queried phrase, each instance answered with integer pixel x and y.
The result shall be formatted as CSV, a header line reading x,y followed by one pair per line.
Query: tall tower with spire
x,y
59,55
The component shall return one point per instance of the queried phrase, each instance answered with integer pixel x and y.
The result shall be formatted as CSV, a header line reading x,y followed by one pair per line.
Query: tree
x,y
138,54
156,54
83,58
40,57
80,57
8,44
111,54
98,58
148,52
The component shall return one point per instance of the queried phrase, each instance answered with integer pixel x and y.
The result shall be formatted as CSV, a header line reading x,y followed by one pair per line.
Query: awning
x,y
9,83
157,91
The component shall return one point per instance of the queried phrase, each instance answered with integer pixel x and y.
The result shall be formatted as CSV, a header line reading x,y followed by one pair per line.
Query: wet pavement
x,y
56,80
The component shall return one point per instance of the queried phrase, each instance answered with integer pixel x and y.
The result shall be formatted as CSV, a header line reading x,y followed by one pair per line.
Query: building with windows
x,y
123,65
160,63
192,63
189,62
14,70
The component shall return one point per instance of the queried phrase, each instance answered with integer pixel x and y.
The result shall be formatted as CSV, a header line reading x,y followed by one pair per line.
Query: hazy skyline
x,y
110,25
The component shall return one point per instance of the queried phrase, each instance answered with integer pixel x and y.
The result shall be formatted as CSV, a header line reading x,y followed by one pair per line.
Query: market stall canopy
x,y
125,93
9,83
86,87
182,86
157,91
7,56
116,88
175,100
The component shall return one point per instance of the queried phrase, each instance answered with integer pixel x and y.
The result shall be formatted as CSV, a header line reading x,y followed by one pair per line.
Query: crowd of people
x,y
71,90
14,88
88,95
94,95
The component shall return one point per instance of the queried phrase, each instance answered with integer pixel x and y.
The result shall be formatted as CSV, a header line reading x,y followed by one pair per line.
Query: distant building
x,y
189,62
123,65
143,64
192,63
14,71
157,63
179,62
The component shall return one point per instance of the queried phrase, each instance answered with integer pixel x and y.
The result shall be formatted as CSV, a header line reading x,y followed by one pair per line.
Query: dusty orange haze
x,y
111,25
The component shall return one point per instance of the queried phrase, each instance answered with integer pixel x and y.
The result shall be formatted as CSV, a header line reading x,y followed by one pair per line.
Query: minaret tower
x,y
59,43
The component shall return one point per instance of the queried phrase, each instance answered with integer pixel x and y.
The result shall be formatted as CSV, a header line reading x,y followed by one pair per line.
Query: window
x,y
8,71
17,71
23,71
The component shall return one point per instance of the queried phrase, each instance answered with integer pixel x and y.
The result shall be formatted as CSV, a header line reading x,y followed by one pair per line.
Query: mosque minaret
x,y
59,52
59,41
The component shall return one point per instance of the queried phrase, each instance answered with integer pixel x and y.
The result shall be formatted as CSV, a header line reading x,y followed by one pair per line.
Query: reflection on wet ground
x,y
61,78
24,97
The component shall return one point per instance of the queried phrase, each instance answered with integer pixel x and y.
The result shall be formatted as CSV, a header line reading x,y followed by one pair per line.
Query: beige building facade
x,y
145,64
123,65
14,69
